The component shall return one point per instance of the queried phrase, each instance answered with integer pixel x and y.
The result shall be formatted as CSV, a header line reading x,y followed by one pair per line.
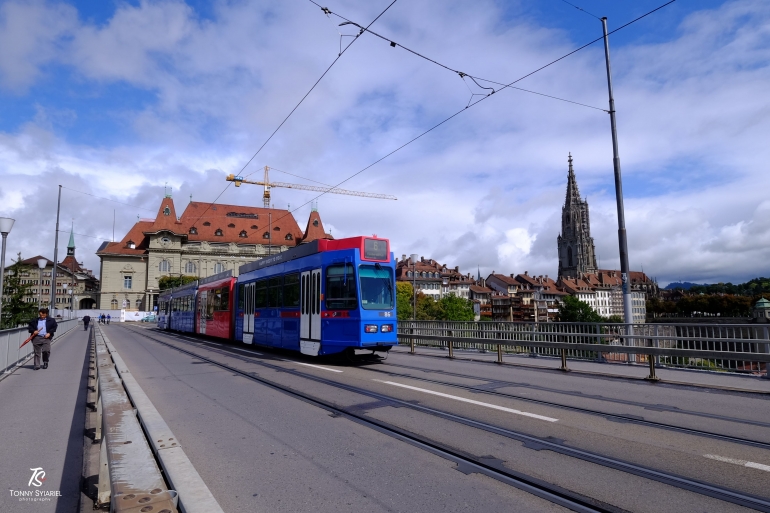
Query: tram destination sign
x,y
375,249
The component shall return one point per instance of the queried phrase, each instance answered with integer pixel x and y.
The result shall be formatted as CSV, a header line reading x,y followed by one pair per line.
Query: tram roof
x,y
311,248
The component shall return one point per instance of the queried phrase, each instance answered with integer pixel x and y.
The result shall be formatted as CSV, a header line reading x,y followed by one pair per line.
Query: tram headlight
x,y
387,328
370,328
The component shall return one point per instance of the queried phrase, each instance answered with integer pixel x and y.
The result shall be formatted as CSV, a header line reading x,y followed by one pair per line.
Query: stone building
x,y
76,287
575,244
206,239
432,278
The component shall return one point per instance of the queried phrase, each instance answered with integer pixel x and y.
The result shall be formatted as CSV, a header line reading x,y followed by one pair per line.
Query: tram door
x,y
248,313
202,306
310,313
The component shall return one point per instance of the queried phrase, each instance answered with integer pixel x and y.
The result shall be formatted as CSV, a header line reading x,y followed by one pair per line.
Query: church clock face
x,y
165,241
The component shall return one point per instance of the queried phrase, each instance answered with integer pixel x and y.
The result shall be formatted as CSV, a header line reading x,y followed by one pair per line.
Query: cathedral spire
x,y
573,193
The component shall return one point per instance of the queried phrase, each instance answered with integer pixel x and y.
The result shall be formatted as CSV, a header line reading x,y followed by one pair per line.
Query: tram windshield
x,y
376,287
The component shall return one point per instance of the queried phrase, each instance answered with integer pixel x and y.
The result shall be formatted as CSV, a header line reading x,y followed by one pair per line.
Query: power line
x,y
581,9
325,10
107,199
476,103
462,74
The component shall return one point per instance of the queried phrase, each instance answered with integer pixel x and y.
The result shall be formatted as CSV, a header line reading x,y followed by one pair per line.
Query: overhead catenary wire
x,y
325,10
437,125
581,9
107,199
462,74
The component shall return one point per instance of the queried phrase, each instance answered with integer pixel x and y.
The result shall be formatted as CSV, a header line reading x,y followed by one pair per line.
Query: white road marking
x,y
742,463
471,401
311,365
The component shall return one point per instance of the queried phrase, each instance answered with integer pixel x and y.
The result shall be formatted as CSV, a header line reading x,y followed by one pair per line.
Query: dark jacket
x,y
50,326
86,319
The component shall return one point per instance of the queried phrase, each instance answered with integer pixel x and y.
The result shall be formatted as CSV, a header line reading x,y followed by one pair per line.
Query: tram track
x,y
610,416
472,463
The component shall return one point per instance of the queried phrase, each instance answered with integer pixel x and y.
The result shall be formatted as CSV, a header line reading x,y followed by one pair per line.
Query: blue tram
x,y
324,297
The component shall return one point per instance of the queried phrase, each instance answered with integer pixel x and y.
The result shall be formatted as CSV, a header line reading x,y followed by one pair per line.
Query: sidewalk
x,y
721,380
42,417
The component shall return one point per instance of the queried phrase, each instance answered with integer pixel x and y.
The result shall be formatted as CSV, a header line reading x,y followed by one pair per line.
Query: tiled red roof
x,y
135,235
480,290
315,229
508,280
254,222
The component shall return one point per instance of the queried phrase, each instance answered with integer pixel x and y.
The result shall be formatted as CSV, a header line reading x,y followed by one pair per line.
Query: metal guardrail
x,y
727,347
137,414
11,356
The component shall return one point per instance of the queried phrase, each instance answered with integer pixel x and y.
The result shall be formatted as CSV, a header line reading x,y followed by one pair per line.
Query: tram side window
x,y
340,287
241,291
274,292
291,290
224,298
260,294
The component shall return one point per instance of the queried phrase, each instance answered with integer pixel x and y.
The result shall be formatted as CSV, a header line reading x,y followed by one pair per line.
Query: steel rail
x,y
692,485
597,413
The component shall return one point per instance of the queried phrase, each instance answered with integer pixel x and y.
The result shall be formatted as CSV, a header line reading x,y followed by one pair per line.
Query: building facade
x,y
205,240
432,278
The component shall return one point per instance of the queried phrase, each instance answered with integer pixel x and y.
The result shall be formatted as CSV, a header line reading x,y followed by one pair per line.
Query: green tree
x,y
455,308
574,310
16,310
404,300
169,282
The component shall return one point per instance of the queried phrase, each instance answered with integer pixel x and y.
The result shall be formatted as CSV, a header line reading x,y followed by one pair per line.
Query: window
x,y
289,236
127,302
254,226
241,292
243,234
164,266
260,296
127,281
166,211
274,293
206,223
231,225
218,268
340,287
315,222
190,267
193,231
291,290
130,245
377,287
266,235
218,232
114,304
277,229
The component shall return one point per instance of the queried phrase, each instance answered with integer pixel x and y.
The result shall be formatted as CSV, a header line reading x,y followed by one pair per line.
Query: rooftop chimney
x,y
403,257
526,273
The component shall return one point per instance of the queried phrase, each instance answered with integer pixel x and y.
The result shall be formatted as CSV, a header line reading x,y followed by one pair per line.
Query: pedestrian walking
x,y
86,320
108,318
42,329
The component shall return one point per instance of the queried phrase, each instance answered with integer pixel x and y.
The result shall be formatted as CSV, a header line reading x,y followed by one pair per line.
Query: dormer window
x,y
289,236
266,235
231,225
254,226
193,231
130,245
206,223
315,222
277,229
243,234
218,232
167,211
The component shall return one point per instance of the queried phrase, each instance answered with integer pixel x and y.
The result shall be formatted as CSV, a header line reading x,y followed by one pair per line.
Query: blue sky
x,y
118,98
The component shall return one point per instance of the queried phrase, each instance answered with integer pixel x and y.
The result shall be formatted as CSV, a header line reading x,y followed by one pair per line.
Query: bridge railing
x,y
743,348
11,355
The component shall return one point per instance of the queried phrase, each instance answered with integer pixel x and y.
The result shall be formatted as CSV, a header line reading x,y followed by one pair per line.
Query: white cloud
x,y
485,189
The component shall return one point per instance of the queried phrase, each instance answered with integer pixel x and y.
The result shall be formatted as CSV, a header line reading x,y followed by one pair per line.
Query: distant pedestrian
x,y
108,318
86,320
42,329
102,319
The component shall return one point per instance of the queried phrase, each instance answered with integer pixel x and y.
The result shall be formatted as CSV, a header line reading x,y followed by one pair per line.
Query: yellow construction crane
x,y
238,180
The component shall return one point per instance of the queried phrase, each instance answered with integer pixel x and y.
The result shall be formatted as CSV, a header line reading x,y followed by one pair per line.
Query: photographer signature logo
x,y
38,476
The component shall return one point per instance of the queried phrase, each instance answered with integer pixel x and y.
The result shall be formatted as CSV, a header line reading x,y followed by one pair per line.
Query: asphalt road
x,y
261,449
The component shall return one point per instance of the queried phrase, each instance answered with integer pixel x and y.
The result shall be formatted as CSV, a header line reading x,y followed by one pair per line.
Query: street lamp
x,y
413,256
41,263
6,223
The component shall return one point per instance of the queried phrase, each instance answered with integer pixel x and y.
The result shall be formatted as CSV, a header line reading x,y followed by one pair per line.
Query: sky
x,y
114,100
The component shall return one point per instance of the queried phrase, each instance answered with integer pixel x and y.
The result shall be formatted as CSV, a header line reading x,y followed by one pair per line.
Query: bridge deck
x,y
42,417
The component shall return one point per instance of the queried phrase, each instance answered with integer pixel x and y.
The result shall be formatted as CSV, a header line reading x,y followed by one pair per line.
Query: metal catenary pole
x,y
622,241
2,276
55,255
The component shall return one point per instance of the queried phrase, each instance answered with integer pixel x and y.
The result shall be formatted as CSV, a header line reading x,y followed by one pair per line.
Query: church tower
x,y
71,245
576,246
